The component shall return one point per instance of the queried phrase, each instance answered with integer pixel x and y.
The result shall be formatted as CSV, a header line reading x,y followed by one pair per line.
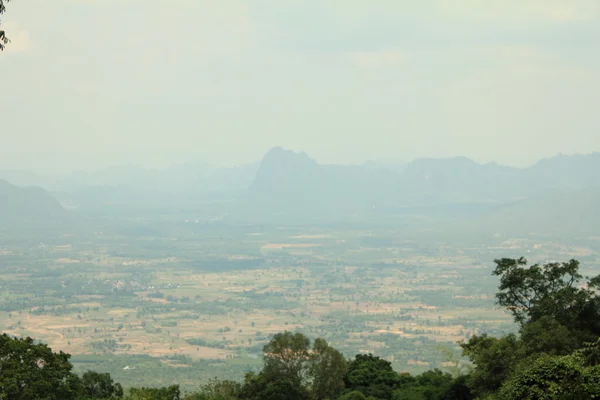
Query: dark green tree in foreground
x,y
3,39
163,393
32,371
555,355
286,356
563,377
293,370
100,386
372,376
216,389
326,370
550,291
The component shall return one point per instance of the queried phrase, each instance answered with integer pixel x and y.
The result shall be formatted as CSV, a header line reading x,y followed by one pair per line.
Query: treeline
x,y
293,369
555,355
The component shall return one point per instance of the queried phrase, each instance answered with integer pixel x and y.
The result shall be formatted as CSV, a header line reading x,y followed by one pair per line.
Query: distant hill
x,y
458,180
566,211
185,185
26,178
291,185
295,184
19,204
170,179
563,171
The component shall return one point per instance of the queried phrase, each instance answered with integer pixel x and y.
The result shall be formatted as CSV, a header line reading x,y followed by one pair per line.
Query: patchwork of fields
x,y
214,298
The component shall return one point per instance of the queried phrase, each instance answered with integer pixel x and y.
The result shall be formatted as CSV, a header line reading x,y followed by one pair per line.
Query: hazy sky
x,y
89,83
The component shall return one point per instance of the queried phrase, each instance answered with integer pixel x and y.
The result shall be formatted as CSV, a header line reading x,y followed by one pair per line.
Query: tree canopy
x,y
30,370
100,386
555,355
552,291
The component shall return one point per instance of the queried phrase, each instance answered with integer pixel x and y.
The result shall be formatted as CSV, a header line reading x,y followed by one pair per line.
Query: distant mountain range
x,y
559,211
182,185
27,204
297,179
292,185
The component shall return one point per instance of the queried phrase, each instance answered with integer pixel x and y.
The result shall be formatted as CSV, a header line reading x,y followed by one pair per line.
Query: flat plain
x,y
205,299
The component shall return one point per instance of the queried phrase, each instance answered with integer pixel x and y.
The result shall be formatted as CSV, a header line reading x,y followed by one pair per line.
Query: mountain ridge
x,y
290,183
28,204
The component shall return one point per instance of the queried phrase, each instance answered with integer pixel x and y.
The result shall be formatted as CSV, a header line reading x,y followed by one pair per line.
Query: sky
x,y
90,83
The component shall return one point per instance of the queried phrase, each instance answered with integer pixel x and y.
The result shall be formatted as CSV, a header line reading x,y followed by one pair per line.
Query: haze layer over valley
x,y
316,200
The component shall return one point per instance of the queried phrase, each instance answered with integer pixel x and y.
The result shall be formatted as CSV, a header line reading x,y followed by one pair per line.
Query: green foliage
x,y
495,360
33,371
591,353
272,387
498,359
429,385
560,377
354,395
289,360
371,376
324,371
459,389
327,370
557,316
432,385
282,389
100,386
547,336
164,393
286,356
551,291
216,389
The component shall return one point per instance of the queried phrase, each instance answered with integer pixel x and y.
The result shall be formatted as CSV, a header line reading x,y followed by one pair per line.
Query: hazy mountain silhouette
x,y
19,204
292,182
295,184
183,185
26,178
288,183
566,211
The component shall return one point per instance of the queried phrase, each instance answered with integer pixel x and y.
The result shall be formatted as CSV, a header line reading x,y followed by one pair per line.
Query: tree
x,y
286,356
100,386
459,390
216,389
557,315
547,336
495,360
551,291
163,393
560,377
432,385
283,389
372,376
3,39
327,369
271,387
32,371
290,362
355,395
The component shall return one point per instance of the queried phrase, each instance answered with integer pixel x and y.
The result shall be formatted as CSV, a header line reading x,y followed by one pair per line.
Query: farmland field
x,y
199,301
